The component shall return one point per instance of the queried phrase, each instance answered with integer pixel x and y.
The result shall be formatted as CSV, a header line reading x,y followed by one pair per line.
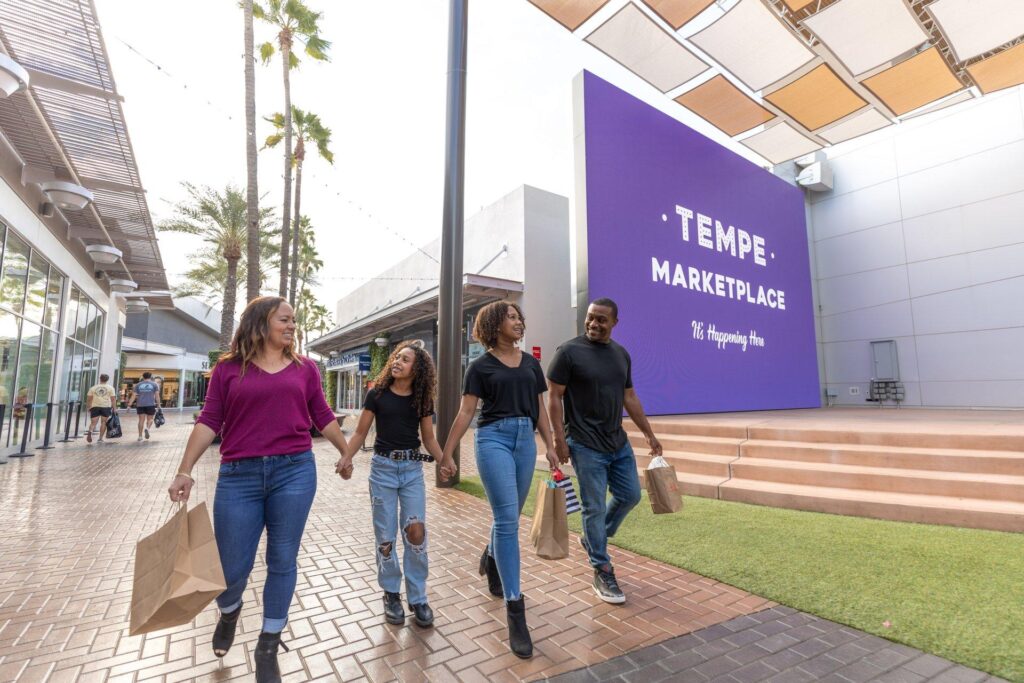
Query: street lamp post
x,y
449,318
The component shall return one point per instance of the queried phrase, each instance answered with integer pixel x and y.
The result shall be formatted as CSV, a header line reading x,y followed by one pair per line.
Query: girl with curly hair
x,y
510,383
402,403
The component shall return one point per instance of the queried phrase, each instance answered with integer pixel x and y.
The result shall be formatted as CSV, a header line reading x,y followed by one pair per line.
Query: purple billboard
x,y
706,256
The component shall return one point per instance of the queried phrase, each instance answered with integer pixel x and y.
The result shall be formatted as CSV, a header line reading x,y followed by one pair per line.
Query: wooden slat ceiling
x,y
724,106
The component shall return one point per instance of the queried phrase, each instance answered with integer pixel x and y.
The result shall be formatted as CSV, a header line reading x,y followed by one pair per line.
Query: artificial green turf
x,y
957,593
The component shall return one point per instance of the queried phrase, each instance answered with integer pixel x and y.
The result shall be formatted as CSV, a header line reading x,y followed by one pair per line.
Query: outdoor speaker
x,y
46,209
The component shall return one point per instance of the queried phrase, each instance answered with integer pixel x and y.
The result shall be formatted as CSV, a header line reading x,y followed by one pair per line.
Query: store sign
x,y
706,256
536,352
364,362
343,360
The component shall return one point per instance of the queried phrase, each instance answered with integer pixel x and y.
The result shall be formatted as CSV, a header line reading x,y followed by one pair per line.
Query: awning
x,y
476,289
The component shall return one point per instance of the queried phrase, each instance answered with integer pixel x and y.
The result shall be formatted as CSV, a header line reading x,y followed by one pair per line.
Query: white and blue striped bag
x,y
572,503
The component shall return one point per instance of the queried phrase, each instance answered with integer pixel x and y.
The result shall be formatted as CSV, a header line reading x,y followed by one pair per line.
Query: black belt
x,y
407,454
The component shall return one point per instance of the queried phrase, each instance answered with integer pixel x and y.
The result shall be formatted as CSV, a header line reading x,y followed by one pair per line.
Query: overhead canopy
x,y
69,125
791,76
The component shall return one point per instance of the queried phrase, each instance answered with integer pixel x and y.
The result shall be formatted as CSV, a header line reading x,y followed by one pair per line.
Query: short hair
x,y
147,375
489,319
104,378
608,303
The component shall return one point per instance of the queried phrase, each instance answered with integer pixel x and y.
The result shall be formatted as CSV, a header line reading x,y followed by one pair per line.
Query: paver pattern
x,y
72,517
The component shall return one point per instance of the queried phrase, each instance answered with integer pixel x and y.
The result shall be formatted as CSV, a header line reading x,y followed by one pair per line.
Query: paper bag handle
x,y
657,461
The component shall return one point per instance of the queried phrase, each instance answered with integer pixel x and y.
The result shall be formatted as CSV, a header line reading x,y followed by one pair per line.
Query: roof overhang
x,y
133,345
476,289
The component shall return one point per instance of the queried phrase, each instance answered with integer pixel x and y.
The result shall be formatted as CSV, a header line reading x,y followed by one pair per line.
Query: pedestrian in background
x,y
262,399
100,403
144,396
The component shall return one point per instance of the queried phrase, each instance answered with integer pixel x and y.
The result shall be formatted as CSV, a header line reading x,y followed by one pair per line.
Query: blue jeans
x,y
598,473
506,455
395,483
276,492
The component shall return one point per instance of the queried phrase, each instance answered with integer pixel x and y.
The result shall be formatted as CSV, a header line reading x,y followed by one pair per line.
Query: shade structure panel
x,y
725,106
863,123
942,104
864,34
817,98
753,44
973,27
796,5
781,143
1003,70
678,12
632,38
570,13
914,83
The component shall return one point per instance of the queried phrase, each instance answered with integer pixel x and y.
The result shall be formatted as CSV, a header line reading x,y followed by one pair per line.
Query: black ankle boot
x,y
267,670
224,634
490,568
518,633
393,612
422,614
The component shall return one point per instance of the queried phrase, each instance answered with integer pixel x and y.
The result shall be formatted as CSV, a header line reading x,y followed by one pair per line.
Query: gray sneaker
x,y
607,588
147,433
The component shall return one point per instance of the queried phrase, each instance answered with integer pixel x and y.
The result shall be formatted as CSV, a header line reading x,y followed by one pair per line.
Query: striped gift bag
x,y
572,503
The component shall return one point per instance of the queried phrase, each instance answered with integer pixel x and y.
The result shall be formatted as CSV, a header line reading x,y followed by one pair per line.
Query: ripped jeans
x,y
397,492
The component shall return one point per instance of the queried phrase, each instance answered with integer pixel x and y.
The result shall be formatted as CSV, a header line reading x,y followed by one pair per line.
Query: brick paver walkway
x,y
72,516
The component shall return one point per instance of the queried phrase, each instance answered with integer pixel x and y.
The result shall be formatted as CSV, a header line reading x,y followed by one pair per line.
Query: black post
x,y
46,430
67,423
24,434
449,315
3,409
78,418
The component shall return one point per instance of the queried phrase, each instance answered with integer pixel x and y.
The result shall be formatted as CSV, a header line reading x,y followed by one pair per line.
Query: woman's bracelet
x,y
186,474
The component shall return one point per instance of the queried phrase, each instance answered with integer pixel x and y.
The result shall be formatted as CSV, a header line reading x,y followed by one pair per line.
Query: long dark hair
x,y
424,377
253,332
489,319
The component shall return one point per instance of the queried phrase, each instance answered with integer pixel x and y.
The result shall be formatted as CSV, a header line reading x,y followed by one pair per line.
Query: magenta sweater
x,y
262,414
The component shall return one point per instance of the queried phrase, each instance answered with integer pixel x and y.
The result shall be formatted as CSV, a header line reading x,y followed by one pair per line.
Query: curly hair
x,y
489,319
424,377
253,332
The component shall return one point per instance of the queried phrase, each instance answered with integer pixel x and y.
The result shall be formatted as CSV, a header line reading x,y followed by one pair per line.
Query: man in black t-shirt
x,y
591,374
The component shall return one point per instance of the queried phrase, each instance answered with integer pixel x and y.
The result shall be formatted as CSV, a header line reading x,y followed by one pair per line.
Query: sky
x,y
179,67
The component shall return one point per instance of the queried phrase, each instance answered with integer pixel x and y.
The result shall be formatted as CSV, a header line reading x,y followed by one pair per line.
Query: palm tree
x,y
310,316
294,21
306,126
220,219
252,280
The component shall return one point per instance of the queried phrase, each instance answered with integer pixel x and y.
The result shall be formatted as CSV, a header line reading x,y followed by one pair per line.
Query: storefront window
x,y
35,300
81,355
54,290
12,288
28,373
10,333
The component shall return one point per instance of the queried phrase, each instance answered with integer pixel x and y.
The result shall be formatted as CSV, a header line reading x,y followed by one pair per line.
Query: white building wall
x,y
922,241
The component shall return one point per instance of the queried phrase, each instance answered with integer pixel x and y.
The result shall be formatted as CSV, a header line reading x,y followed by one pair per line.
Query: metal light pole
x,y
449,317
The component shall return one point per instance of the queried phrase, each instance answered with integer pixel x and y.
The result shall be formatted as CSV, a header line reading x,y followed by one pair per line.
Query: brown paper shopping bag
x,y
550,530
663,487
177,572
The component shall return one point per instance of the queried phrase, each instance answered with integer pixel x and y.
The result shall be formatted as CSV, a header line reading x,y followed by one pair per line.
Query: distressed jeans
x,y
273,492
597,473
506,456
397,492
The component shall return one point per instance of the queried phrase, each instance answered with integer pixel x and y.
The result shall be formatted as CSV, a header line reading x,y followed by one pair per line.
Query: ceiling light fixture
x,y
103,253
66,195
122,286
13,76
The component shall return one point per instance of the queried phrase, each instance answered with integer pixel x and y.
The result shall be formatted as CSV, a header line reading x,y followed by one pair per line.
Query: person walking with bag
x,y
144,395
592,375
402,405
262,399
100,403
510,383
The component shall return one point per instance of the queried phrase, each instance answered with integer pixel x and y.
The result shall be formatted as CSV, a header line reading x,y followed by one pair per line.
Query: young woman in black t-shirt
x,y
402,403
510,383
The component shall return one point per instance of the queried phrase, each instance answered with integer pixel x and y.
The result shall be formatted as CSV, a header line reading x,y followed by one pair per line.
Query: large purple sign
x,y
705,254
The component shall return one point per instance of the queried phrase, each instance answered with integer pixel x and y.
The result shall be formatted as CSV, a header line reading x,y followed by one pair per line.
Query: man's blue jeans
x,y
506,455
276,492
397,491
598,473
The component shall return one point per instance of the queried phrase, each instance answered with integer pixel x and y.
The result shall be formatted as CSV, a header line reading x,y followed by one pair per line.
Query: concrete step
x,y
709,426
904,507
910,437
691,484
994,487
693,463
903,457
712,445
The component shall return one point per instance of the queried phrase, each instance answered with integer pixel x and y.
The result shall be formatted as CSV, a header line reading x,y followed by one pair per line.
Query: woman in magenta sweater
x,y
262,400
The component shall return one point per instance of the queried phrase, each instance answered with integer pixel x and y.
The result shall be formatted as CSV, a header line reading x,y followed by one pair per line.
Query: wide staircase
x,y
908,471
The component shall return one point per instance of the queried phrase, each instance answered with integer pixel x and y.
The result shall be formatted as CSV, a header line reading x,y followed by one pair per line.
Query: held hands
x,y
344,467
448,468
180,488
562,451
655,445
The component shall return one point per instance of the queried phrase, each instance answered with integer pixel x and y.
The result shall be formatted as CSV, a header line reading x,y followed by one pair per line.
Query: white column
x,y
110,355
181,388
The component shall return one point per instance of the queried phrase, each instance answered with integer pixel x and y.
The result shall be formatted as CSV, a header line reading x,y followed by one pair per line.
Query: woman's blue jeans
x,y
397,491
273,492
506,456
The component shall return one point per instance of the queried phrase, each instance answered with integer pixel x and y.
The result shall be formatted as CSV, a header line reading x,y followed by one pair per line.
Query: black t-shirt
x,y
398,426
595,377
505,391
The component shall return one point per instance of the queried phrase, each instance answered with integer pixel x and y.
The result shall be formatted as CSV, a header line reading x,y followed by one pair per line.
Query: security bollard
x,y
3,409
67,423
46,429
27,425
78,418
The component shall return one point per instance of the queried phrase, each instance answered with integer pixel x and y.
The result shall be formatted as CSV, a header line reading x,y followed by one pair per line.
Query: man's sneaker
x,y
606,587
139,439
147,433
88,437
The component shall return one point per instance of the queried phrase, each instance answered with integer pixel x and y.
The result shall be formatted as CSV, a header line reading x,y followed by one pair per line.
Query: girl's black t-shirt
x,y
398,425
505,391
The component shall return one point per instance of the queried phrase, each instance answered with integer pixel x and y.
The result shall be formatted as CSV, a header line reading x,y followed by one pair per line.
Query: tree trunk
x,y
253,267
286,51
292,294
227,314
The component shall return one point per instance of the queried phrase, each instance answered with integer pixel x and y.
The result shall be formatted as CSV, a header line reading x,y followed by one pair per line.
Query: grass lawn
x,y
957,593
